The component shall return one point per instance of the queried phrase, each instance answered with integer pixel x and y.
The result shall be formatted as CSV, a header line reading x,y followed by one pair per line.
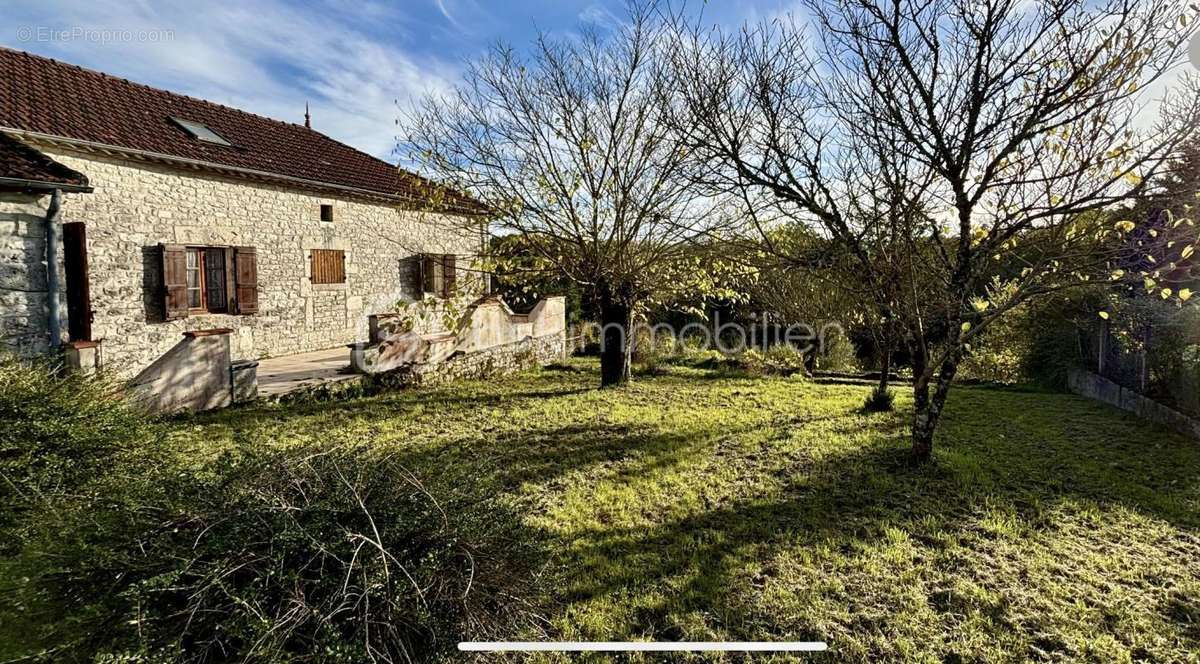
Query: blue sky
x,y
351,61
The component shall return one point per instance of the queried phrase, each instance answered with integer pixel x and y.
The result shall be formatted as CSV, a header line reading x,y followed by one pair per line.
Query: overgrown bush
x,y
316,553
780,359
305,555
879,401
1038,342
56,429
837,354
652,353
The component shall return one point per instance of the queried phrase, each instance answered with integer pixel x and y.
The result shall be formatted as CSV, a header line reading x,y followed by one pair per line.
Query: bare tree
x,y
568,147
958,150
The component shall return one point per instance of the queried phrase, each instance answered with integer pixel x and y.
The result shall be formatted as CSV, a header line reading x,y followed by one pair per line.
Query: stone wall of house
x,y
24,325
136,206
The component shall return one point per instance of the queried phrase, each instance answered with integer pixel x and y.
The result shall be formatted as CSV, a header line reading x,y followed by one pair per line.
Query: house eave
x,y
42,185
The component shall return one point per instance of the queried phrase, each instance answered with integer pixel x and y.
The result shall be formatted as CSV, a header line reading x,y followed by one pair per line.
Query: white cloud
x,y
262,56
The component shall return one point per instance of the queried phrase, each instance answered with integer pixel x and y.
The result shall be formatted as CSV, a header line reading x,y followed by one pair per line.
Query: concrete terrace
x,y
280,375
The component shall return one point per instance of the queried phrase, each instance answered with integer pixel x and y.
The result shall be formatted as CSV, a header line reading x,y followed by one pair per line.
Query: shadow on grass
x,y
1012,452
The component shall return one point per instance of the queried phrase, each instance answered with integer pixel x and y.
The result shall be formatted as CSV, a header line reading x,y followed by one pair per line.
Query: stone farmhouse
x,y
146,233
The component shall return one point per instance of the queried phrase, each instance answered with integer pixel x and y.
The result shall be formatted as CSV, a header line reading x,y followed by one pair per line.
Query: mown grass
x,y
699,505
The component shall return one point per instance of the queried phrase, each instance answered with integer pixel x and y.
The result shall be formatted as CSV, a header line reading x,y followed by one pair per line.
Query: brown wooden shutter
x,y
429,274
328,266
245,262
449,275
174,281
230,282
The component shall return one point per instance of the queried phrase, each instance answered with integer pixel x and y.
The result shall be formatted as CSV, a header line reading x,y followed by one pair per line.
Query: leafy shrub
x,y
651,353
705,359
55,429
879,401
784,358
837,354
781,359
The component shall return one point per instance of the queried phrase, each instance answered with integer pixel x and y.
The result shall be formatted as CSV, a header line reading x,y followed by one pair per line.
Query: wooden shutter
x,y
430,267
174,281
245,264
449,275
328,266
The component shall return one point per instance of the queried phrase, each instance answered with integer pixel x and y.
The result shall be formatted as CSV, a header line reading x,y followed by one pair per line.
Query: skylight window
x,y
201,132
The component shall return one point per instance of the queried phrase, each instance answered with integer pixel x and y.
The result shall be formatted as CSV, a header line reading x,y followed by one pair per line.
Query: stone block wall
x,y
1094,386
136,206
496,361
488,363
24,326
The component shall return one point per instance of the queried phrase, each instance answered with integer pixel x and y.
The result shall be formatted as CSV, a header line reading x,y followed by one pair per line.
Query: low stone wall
x,y
494,361
1094,386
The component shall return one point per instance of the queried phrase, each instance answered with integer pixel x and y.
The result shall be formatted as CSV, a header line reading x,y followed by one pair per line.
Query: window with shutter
x,y
439,274
245,272
199,280
328,266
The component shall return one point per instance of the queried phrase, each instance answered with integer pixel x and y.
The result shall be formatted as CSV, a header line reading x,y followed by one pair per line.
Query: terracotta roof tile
x,y
46,96
21,162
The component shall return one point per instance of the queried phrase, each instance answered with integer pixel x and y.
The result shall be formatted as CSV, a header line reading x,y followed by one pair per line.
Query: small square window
x,y
327,213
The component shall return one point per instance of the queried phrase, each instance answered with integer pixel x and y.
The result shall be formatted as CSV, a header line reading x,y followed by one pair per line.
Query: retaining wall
x,y
1094,386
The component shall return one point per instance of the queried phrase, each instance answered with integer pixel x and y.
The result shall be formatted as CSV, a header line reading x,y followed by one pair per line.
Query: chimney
x,y
307,119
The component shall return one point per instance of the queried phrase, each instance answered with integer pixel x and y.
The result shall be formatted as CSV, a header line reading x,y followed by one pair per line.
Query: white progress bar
x,y
641,646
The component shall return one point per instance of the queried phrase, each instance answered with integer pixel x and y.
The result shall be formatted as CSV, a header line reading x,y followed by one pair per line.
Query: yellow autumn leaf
x,y
966,327
1104,315
1187,251
1117,274
1165,293
1133,179
1185,294
1125,225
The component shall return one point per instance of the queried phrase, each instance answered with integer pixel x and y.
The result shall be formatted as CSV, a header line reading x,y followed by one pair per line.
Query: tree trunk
x,y
615,343
927,407
885,369
924,422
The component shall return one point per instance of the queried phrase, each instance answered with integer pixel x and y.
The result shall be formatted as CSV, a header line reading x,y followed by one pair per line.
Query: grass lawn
x,y
705,506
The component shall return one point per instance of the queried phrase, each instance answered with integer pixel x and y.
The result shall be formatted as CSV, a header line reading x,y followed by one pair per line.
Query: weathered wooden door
x,y
79,301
